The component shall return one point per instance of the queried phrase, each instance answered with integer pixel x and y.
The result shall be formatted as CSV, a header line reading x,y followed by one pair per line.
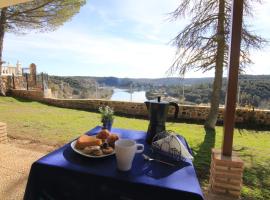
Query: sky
x,y
122,38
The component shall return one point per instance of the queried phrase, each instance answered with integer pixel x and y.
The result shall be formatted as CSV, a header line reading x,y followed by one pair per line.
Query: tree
x,y
38,15
203,43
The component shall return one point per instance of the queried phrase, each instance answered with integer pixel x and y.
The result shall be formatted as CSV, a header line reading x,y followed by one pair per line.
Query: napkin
x,y
172,146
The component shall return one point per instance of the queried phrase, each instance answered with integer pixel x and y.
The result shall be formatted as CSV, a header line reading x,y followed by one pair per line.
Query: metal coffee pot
x,y
157,112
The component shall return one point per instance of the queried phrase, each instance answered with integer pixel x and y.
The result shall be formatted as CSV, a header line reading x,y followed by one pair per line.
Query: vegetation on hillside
x,y
52,125
77,87
254,89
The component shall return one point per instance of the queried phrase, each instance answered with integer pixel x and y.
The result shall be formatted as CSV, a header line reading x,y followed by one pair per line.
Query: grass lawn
x,y
54,125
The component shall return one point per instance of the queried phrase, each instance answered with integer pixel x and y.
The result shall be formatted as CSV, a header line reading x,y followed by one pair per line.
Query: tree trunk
x,y
217,85
2,33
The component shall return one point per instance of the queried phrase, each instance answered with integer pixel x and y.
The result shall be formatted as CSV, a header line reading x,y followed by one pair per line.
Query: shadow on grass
x,y
202,159
22,99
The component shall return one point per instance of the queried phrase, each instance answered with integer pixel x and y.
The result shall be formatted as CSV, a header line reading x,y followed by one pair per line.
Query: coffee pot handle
x,y
176,108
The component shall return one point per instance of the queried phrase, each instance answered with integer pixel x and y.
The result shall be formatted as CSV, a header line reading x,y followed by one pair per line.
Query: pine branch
x,y
30,10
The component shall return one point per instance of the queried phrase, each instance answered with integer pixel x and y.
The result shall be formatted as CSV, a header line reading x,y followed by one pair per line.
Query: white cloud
x,y
261,62
149,19
141,59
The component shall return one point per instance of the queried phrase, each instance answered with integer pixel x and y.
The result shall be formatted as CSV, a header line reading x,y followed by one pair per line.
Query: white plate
x,y
87,155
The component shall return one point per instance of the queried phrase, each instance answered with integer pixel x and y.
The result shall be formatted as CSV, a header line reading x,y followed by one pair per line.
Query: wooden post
x,y
33,75
42,81
27,86
13,81
234,57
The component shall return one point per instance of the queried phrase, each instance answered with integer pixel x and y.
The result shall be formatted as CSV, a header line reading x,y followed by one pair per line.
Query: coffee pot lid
x,y
157,101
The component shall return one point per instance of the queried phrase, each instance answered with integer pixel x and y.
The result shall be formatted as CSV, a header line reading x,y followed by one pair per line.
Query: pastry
x,y
103,134
97,152
107,150
111,139
104,145
90,149
85,141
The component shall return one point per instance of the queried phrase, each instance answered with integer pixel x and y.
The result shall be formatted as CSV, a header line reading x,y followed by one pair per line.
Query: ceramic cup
x,y
125,151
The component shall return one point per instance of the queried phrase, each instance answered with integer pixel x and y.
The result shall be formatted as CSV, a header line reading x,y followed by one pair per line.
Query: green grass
x,y
54,125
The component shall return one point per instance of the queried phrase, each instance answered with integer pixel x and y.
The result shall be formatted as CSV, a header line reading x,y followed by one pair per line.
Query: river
x,y
125,95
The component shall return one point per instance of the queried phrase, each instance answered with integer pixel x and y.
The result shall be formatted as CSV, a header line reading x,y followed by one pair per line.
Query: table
x,y
64,174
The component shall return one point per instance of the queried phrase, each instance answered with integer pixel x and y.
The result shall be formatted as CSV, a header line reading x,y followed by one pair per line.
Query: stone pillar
x,y
226,174
3,132
33,76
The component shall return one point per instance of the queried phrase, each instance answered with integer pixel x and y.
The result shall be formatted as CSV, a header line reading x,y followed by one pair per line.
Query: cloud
x,y
261,62
140,18
139,59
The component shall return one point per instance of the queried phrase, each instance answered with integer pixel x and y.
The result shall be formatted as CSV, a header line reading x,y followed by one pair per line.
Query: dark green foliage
x,y
41,15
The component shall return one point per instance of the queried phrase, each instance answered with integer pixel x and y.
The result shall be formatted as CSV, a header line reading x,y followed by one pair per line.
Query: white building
x,y
8,70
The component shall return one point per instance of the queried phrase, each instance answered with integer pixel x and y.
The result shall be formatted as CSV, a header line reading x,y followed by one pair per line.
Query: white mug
x,y
125,151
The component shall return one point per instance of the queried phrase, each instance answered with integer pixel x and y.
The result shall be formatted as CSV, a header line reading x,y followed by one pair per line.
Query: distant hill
x,y
254,89
114,81
125,82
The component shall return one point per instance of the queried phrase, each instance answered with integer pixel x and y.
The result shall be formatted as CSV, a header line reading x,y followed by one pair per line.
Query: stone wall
x,y
32,76
6,83
18,82
186,112
36,95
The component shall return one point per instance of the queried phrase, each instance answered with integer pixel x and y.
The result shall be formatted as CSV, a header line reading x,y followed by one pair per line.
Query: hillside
x,y
77,87
123,82
254,89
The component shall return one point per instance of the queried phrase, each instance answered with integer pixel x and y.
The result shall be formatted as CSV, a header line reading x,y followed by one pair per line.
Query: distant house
x,y
8,70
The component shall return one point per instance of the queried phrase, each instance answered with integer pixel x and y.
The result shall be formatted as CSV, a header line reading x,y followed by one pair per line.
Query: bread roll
x,y
111,139
90,149
97,152
103,134
107,150
85,141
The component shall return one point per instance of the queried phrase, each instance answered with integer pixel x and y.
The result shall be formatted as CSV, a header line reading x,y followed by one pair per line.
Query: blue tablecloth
x,y
64,174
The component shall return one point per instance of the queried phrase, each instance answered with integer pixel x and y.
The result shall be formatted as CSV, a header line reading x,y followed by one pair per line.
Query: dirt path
x,y
16,158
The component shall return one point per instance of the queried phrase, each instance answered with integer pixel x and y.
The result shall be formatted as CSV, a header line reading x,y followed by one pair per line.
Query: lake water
x,y
125,95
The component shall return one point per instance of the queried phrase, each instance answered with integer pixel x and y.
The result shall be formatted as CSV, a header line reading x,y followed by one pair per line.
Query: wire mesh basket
x,y
165,147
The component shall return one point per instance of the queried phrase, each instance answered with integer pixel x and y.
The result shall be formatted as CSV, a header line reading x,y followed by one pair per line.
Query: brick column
x,y
226,174
3,132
